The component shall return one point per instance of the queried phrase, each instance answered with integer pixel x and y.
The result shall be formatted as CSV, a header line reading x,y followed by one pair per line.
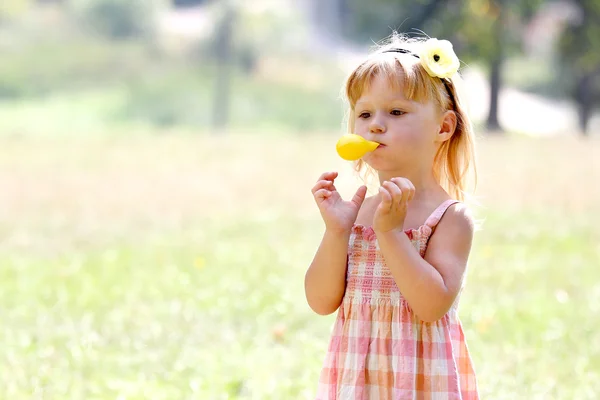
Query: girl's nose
x,y
376,127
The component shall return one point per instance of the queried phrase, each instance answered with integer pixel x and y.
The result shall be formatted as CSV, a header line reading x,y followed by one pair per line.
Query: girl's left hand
x,y
391,212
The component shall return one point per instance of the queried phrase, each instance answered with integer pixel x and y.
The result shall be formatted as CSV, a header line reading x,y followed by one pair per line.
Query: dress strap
x,y
438,213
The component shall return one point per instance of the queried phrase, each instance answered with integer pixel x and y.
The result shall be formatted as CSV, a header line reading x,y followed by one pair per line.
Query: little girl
x,y
393,264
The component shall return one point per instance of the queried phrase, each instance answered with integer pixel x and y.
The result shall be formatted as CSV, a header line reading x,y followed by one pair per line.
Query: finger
x,y
359,196
323,184
330,176
322,194
386,199
326,177
405,187
412,190
394,191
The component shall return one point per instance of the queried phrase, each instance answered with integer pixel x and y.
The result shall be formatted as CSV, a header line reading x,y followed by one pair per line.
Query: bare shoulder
x,y
454,233
457,219
450,245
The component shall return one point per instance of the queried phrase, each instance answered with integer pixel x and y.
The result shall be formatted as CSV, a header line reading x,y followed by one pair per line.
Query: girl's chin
x,y
382,164
374,160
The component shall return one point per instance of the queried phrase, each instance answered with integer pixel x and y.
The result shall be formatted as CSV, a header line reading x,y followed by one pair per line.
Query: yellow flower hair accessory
x,y
438,58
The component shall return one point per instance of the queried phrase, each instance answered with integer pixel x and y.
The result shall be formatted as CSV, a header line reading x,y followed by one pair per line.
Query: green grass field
x,y
172,266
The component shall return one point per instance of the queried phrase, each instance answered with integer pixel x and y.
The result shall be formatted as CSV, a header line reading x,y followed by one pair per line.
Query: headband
x,y
437,58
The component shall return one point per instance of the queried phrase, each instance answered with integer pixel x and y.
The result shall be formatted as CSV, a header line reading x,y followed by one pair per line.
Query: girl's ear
x,y
447,126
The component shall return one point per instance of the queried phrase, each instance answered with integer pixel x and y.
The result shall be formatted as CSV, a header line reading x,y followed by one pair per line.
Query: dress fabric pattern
x,y
379,348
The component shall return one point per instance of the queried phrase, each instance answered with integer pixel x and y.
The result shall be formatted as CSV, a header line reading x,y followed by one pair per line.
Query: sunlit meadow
x,y
171,267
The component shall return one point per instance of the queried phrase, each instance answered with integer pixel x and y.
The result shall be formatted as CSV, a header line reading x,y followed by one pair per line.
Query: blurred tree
x,y
580,55
117,19
491,31
244,32
484,31
10,9
329,17
188,3
485,36
224,52
496,60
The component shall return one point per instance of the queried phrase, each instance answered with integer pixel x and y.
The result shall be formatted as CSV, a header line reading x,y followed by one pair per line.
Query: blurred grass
x,y
172,266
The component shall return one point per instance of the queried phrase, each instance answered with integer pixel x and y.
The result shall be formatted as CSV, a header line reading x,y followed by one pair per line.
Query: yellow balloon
x,y
351,147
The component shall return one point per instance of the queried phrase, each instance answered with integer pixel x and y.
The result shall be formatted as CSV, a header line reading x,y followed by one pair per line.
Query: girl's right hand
x,y
338,215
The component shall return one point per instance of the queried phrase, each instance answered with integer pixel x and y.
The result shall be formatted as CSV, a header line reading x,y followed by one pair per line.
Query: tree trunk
x,y
584,118
493,123
222,87
584,103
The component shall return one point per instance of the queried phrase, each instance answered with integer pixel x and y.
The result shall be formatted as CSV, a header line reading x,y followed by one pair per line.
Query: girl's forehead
x,y
386,77
384,83
381,88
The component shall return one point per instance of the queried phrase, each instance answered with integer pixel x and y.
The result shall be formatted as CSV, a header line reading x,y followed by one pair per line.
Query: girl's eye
x,y
364,115
397,112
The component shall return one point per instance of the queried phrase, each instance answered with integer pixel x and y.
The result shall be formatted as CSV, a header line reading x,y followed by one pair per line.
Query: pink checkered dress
x,y
379,348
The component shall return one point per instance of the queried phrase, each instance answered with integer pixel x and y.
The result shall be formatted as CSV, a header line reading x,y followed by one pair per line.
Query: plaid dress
x,y
379,349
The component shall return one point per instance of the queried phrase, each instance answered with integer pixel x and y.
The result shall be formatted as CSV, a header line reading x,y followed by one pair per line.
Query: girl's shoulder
x,y
454,213
454,228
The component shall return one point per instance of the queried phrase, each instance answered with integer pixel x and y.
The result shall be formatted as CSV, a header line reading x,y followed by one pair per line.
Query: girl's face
x,y
408,130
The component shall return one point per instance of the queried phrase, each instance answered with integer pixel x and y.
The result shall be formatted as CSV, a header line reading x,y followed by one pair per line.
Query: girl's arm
x,y
430,284
325,280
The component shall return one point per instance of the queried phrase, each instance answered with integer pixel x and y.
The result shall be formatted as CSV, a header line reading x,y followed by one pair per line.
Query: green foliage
x,y
167,98
469,24
473,26
374,20
117,19
537,76
579,46
123,83
579,50
50,66
254,32
185,97
10,9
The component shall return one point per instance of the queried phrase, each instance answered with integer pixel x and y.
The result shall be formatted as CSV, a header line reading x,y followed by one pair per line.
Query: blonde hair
x,y
454,164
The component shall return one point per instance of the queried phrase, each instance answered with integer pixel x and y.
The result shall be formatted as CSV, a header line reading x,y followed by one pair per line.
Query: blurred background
x,y
156,220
